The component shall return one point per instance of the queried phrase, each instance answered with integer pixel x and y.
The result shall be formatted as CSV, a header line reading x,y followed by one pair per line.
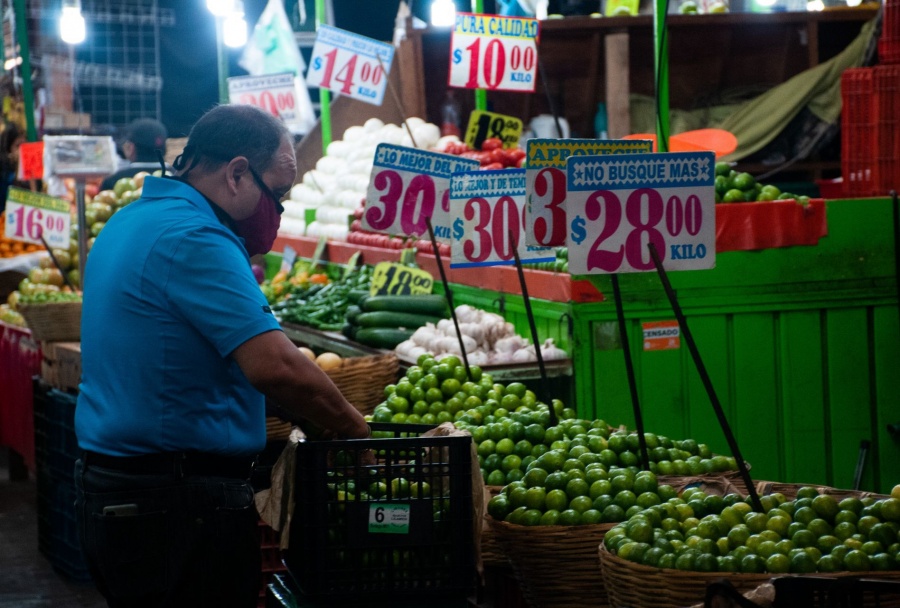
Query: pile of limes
x,y
812,533
557,491
741,187
511,428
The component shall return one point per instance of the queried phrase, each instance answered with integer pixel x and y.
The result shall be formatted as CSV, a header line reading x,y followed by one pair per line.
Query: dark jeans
x,y
161,540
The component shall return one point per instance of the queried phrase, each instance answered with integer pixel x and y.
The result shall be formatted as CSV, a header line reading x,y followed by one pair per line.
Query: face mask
x,y
260,229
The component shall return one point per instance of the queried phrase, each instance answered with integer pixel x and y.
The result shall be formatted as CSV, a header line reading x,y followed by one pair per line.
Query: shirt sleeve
x,y
211,285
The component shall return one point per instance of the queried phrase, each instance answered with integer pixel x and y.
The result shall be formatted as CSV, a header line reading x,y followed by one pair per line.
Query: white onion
x,y
354,133
372,125
426,135
338,149
446,139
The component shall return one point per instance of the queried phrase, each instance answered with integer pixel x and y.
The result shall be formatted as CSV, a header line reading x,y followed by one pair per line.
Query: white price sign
x,y
489,224
545,182
31,215
493,52
407,186
275,93
618,205
349,64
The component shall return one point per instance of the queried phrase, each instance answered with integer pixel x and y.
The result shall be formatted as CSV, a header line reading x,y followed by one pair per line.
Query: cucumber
x,y
356,295
349,330
382,337
353,311
389,318
433,304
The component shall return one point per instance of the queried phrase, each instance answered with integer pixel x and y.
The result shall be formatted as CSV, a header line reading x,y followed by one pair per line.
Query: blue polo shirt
x,y
168,295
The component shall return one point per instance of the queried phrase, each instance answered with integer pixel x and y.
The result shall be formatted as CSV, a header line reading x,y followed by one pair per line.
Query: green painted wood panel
x,y
712,335
848,396
886,456
800,345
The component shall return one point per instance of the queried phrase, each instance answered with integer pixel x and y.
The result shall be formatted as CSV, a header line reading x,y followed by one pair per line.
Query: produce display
x,y
734,187
512,433
812,533
300,279
323,306
487,337
385,321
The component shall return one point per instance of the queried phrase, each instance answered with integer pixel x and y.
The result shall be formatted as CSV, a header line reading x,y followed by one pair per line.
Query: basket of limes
x,y
52,318
666,555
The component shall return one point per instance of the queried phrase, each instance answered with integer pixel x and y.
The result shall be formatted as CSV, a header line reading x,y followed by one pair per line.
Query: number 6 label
x,y
32,215
617,206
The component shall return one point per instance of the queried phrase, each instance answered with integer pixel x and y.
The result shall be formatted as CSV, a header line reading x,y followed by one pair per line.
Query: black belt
x,y
180,464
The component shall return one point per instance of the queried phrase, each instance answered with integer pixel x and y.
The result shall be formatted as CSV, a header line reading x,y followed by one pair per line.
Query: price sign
x,y
31,215
619,204
31,160
392,279
545,182
493,52
489,224
79,155
407,186
347,63
482,125
275,93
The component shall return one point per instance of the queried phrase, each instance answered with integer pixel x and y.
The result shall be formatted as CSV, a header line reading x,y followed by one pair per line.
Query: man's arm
x,y
275,367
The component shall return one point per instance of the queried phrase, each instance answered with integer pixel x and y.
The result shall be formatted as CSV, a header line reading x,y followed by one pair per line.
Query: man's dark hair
x,y
148,137
229,131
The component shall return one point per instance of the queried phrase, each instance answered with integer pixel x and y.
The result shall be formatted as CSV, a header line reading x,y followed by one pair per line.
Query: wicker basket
x,y
492,552
53,321
790,490
555,566
362,379
638,586
277,429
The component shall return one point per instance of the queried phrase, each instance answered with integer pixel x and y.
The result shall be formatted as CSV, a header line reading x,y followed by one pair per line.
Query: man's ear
x,y
236,170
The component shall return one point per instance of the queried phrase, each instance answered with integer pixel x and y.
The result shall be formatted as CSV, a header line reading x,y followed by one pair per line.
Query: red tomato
x,y
492,166
355,226
492,143
521,162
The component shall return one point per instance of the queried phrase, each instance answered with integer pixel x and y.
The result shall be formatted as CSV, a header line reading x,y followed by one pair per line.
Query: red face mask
x,y
260,229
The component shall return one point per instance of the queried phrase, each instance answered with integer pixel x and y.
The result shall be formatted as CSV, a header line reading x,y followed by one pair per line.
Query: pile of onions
x,y
487,337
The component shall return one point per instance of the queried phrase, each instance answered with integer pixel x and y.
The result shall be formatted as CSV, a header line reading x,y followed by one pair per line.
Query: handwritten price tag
x,y
392,279
275,93
619,204
347,63
494,52
489,207
30,215
545,182
407,186
482,125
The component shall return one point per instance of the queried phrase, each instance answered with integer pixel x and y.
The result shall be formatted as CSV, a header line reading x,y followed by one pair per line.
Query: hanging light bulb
x,y
220,8
71,22
443,13
234,28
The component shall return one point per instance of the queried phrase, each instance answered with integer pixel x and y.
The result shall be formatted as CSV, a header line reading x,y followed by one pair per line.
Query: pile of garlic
x,y
337,186
487,337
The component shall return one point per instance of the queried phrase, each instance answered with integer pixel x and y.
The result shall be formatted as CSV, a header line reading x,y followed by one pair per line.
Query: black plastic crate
x,y
397,529
835,592
56,447
63,548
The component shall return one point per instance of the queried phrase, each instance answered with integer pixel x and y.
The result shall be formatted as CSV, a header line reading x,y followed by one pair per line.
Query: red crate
x,y
889,42
870,141
857,131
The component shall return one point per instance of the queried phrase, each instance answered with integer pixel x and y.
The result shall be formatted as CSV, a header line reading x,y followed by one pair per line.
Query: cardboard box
x,y
61,365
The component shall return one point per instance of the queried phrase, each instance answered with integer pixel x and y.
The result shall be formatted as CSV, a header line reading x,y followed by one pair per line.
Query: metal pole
x,y
661,71
222,61
83,229
27,89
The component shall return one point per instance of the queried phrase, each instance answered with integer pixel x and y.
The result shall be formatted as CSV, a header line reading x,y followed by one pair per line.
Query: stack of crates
x,y
870,124
55,452
387,519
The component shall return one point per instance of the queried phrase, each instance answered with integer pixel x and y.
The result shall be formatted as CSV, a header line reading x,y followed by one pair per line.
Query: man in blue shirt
x,y
179,353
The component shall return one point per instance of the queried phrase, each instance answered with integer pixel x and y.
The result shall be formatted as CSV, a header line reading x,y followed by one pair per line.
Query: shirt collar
x,y
173,187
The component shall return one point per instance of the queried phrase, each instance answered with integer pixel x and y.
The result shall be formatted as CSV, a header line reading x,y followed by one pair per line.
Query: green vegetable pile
x,y
324,306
